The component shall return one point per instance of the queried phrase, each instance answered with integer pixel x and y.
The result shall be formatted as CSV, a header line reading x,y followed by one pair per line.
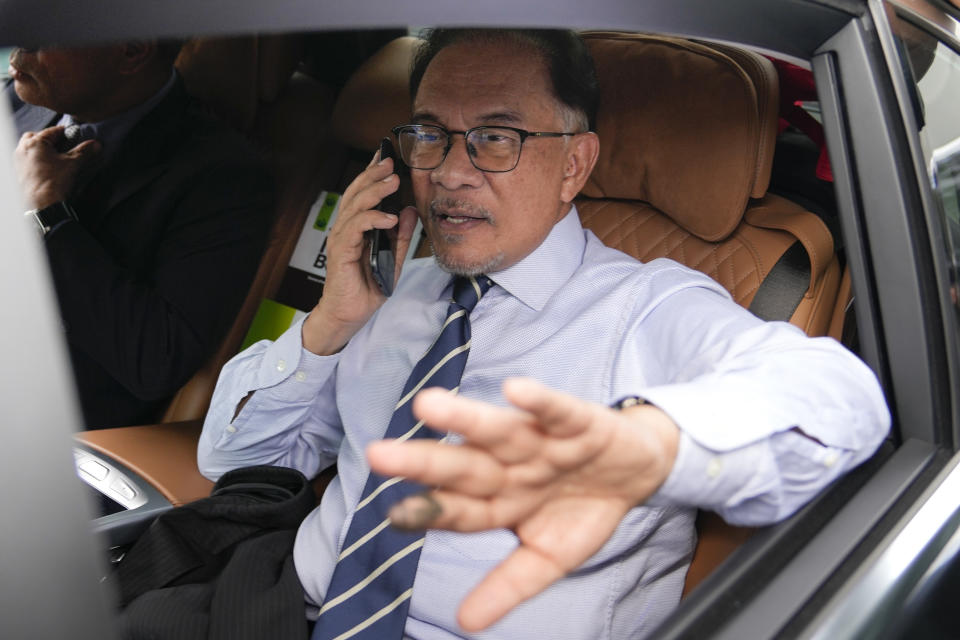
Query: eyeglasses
x,y
491,149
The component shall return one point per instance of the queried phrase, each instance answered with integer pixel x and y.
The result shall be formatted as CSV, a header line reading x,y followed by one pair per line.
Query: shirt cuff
x,y
709,479
290,372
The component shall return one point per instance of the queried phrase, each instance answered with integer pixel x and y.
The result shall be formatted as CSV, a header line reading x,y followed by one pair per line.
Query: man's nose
x,y
457,170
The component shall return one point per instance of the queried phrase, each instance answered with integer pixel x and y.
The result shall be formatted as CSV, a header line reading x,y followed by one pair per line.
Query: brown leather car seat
x,y
250,82
375,99
687,136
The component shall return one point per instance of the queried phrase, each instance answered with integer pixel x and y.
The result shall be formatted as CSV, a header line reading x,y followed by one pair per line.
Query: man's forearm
x,y
288,417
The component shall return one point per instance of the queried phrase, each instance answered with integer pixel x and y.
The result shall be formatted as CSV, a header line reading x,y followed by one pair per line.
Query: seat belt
x,y
784,287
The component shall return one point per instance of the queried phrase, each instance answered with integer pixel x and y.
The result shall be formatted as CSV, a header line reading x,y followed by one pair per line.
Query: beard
x,y
465,268
449,207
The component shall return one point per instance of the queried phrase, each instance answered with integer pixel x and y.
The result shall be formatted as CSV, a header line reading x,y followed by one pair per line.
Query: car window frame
x,y
906,466
907,95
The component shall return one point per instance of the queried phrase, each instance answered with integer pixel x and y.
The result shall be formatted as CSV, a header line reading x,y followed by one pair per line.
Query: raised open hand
x,y
558,471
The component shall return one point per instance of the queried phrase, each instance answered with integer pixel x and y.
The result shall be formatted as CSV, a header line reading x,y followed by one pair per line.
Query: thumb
x,y
87,148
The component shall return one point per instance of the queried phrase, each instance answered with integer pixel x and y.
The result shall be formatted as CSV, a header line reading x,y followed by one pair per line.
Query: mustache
x,y
453,206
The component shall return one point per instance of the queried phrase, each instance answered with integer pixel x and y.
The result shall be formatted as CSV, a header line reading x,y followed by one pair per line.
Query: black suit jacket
x,y
220,568
170,233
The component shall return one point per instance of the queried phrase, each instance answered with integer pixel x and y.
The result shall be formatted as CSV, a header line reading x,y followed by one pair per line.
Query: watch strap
x,y
52,216
627,401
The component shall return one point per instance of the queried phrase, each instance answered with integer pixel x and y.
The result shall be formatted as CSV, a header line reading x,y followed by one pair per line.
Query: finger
x,y
350,237
556,413
453,512
375,172
506,433
375,159
385,162
522,575
559,538
85,148
50,134
430,462
367,197
405,228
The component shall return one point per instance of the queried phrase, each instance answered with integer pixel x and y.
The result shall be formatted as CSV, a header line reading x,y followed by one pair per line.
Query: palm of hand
x,y
561,473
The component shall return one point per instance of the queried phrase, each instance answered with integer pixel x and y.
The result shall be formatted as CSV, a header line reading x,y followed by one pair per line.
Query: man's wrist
x,y
657,440
52,216
322,336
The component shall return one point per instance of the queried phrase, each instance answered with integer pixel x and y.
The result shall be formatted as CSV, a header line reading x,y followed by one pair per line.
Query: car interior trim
x,y
808,24
836,129
890,573
163,454
802,576
906,98
883,196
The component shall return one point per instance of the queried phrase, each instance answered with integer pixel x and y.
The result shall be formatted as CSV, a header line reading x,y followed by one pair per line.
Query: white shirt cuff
x,y
714,480
289,372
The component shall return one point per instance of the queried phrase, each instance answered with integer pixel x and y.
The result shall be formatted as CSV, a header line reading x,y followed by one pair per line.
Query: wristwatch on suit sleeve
x,y
51,216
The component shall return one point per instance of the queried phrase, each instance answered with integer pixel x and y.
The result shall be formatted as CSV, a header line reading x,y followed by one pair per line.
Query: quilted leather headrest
x,y
686,127
377,96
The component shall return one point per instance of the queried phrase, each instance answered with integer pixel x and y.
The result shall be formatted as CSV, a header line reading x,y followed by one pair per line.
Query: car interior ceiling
x,y
318,104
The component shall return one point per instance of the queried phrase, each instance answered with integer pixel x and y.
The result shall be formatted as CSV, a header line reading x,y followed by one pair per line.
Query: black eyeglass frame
x,y
523,133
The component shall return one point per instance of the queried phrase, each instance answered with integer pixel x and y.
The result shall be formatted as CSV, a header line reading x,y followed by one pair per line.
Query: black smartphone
x,y
382,242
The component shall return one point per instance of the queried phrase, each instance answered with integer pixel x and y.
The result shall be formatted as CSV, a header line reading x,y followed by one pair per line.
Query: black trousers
x,y
221,567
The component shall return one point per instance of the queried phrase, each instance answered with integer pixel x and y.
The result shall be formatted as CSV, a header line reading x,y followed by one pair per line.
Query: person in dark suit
x,y
154,226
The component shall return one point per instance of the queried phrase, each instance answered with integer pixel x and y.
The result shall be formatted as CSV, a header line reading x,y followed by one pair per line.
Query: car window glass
x,y
4,58
934,68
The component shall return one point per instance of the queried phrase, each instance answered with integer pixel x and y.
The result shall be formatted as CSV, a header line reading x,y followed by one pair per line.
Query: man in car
x,y
645,392
153,214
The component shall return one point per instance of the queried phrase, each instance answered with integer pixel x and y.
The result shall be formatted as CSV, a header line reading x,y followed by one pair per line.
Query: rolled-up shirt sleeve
x,y
289,418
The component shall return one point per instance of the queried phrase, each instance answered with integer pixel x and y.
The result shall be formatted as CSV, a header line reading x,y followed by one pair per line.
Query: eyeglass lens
x,y
489,148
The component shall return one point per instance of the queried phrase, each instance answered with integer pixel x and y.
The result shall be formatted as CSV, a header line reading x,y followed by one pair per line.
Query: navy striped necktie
x,y
370,590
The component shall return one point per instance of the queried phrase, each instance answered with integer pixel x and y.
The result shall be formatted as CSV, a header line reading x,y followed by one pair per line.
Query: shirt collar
x,y
111,131
537,277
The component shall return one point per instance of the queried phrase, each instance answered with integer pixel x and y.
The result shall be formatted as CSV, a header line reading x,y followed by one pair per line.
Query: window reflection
x,y
934,69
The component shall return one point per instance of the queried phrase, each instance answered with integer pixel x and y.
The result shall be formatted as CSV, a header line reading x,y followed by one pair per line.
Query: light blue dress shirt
x,y
591,321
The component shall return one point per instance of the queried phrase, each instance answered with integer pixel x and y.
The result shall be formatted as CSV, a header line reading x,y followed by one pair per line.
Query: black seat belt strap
x,y
782,290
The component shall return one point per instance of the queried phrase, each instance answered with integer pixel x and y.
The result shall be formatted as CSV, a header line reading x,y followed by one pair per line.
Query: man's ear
x,y
136,55
582,155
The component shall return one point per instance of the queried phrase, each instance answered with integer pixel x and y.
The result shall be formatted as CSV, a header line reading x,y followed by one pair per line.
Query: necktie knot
x,y
467,290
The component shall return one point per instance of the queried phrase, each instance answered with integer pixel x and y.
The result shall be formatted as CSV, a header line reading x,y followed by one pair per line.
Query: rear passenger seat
x,y
251,83
687,136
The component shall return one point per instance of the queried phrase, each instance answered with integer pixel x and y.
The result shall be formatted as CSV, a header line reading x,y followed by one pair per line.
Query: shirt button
x,y
830,459
714,467
281,365
300,376
231,429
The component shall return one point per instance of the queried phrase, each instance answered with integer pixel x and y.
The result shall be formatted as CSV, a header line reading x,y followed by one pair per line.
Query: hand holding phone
x,y
382,242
